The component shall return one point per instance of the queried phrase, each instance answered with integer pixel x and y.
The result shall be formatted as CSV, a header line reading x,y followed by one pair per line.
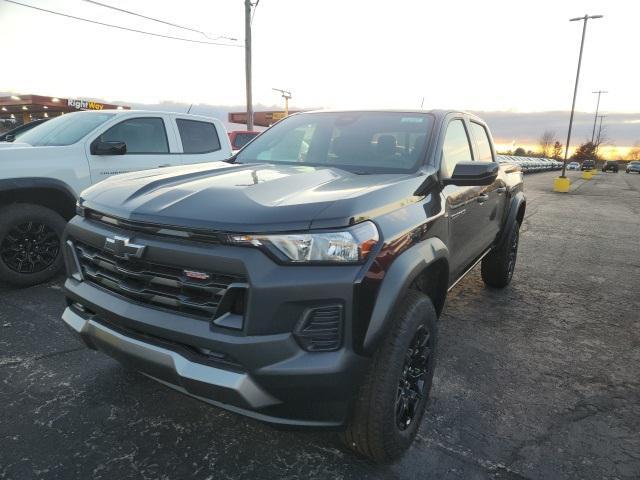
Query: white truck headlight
x,y
351,245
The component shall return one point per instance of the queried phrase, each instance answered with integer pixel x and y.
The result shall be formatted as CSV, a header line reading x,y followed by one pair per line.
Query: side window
x,y
142,135
482,142
456,147
197,136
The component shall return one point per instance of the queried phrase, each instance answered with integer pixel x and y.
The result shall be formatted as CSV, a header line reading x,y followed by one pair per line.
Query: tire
x,y
498,266
379,428
30,250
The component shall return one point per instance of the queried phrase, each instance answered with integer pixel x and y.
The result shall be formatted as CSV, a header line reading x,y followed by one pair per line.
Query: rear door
x,y
147,147
201,140
492,197
463,209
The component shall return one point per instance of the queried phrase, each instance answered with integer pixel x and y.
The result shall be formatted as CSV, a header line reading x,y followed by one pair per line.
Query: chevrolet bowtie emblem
x,y
121,247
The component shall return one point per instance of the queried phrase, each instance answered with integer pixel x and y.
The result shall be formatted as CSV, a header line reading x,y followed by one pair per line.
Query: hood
x,y
14,145
23,160
249,198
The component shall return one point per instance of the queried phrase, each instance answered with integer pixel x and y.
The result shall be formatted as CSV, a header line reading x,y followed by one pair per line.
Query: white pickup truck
x,y
43,172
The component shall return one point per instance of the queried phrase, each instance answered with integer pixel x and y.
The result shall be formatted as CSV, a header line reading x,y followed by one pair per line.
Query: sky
x,y
495,56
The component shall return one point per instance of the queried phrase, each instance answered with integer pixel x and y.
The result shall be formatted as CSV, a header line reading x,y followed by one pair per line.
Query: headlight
x,y
351,245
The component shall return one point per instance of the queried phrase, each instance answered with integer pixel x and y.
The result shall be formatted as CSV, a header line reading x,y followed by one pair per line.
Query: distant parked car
x,y
633,167
573,166
239,138
588,165
15,133
610,165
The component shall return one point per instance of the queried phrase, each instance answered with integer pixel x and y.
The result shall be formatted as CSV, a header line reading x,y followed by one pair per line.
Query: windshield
x,y
364,142
64,130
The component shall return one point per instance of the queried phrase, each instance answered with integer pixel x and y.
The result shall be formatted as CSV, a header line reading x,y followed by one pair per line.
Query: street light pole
x,y
575,89
286,94
247,62
595,119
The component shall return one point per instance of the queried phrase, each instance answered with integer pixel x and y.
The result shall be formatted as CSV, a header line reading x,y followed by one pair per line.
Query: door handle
x,y
483,197
501,190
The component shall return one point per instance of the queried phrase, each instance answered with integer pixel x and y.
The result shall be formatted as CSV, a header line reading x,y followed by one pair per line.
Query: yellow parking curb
x,y
561,184
587,174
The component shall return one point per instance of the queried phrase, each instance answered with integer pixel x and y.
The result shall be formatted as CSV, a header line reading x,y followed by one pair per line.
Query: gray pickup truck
x,y
300,282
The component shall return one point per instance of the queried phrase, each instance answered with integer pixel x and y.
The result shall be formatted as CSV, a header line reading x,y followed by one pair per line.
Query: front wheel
x,y
395,392
498,266
29,244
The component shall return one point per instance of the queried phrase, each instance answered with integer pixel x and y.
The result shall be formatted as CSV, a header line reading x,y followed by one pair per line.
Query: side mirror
x,y
108,148
473,174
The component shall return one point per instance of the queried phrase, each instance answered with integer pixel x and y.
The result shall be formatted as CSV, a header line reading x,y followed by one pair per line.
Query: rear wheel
x,y
29,244
394,395
498,266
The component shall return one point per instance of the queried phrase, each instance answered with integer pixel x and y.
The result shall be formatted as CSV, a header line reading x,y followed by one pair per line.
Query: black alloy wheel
x,y
415,378
513,253
394,395
30,247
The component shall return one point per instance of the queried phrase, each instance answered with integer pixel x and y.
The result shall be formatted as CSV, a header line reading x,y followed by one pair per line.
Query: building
x,y
261,119
33,107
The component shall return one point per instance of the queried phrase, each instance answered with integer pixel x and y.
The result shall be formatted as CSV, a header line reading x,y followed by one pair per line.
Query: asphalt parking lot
x,y
540,381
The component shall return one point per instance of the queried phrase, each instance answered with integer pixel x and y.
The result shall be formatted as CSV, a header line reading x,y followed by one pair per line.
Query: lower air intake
x,y
320,329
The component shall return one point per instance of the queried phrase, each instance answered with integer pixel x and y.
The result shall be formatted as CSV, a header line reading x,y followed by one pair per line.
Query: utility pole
x,y
247,62
286,95
575,89
599,133
595,120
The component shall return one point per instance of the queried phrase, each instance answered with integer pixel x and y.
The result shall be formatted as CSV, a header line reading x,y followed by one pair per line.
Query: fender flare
x,y
396,282
26,183
516,201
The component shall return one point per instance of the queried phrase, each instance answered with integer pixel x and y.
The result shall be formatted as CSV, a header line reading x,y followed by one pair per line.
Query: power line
x,y
129,12
255,7
120,27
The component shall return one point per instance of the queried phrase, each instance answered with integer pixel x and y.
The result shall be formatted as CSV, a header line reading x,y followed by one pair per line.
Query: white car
x,y
573,166
43,173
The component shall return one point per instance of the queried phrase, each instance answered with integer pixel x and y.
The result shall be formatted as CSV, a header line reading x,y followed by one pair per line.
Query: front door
x,y
147,147
463,204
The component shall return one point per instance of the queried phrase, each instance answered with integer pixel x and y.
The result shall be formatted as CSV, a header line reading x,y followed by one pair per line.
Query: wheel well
x,y
520,214
433,281
52,198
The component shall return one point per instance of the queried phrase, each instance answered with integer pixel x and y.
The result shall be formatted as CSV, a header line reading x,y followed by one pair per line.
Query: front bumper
x,y
261,371
195,378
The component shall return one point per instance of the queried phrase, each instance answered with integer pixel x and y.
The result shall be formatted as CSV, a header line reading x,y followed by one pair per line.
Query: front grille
x,y
158,230
152,283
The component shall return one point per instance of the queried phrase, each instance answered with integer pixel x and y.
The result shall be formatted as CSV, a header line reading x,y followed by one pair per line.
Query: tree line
x,y
550,147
